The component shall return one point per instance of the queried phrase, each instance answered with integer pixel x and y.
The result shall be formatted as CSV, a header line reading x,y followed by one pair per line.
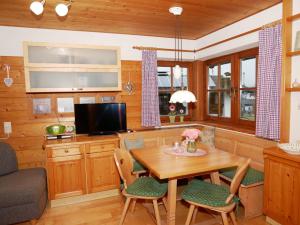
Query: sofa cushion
x,y
8,159
252,176
22,187
135,144
207,136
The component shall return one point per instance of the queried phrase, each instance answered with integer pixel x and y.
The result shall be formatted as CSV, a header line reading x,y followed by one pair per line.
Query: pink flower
x,y
172,108
191,134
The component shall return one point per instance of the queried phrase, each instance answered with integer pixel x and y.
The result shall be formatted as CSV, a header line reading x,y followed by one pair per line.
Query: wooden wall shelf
x,y
293,53
293,89
294,17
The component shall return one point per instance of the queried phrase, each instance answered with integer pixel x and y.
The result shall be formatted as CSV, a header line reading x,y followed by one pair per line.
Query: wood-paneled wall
x,y
28,129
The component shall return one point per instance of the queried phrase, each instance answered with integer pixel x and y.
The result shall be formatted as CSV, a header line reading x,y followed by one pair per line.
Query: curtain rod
x,y
214,44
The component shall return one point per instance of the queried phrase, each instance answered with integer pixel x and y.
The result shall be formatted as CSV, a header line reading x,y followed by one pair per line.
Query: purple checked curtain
x,y
268,83
150,100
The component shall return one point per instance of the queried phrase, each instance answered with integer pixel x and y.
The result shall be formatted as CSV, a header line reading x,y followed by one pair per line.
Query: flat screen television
x,y
100,118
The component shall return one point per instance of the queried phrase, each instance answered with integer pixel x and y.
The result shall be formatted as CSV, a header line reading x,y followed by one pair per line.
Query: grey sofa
x,y
23,193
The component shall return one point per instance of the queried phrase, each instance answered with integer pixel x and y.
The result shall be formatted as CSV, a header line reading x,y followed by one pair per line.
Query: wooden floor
x,y
107,212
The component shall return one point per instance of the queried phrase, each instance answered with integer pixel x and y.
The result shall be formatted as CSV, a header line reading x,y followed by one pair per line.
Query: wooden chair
x,y
138,188
214,197
250,190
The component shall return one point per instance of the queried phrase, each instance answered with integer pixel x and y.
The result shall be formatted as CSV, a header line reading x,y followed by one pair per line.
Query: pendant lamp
x,y
181,96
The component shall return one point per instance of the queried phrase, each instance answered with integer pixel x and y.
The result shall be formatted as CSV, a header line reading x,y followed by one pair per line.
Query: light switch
x,y
7,127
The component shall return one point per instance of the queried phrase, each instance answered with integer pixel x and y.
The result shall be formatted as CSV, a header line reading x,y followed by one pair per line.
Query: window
x,y
247,88
168,84
231,88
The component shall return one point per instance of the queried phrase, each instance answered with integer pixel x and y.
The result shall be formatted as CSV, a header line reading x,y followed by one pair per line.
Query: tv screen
x,y
101,118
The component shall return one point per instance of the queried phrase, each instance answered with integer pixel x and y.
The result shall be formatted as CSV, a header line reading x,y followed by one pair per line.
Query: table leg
x,y
215,178
171,212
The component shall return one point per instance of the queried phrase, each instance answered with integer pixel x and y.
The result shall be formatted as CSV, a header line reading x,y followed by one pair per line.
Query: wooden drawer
x,y
67,150
101,147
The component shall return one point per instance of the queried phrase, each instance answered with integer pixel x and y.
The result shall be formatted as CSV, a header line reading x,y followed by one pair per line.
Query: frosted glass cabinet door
x,y
73,81
72,56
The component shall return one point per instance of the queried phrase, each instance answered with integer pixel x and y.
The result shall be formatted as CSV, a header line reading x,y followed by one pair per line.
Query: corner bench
x,y
238,143
250,190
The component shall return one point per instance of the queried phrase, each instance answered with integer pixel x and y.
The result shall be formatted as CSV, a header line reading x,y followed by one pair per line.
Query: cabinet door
x,y
282,197
45,54
68,79
101,172
66,176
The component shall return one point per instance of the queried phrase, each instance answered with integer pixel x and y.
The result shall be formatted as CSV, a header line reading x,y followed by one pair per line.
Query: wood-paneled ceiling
x,y
141,17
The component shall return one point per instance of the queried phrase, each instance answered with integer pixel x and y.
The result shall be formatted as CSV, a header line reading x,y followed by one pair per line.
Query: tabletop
x,y
165,165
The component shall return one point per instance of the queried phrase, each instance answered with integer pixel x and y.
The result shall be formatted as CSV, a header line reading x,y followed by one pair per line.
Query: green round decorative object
x,y
56,129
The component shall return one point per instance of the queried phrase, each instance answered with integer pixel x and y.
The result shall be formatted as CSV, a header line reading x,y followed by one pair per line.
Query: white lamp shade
x,y
177,72
183,96
37,7
61,9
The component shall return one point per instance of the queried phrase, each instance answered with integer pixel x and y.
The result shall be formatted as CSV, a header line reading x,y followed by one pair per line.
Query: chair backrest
x,y
131,144
124,164
237,179
8,159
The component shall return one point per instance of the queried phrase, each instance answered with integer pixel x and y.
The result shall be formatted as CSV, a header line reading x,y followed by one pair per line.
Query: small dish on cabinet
x,y
290,148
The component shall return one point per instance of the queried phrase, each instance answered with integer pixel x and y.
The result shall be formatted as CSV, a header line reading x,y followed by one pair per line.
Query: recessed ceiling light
x,y
37,7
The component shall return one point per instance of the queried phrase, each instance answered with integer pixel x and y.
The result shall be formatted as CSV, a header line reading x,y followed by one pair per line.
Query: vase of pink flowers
x,y
172,113
191,135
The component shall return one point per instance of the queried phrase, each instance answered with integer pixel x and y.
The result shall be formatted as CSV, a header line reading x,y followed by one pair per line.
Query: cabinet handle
x,y
66,150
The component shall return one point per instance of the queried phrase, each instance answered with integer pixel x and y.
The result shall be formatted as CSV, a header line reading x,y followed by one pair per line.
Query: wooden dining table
x,y
173,167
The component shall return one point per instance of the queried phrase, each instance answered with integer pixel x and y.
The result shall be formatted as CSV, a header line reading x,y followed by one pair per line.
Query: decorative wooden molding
x,y
161,49
211,45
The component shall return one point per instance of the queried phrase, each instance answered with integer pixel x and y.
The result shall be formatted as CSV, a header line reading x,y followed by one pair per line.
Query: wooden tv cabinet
x,y
81,168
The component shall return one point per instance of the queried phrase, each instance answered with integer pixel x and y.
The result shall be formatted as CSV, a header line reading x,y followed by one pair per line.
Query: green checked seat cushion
x,y
205,193
137,166
147,187
135,144
252,176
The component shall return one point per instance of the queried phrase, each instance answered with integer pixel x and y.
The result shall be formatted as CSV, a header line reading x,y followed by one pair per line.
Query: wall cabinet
x,y
282,186
81,166
71,68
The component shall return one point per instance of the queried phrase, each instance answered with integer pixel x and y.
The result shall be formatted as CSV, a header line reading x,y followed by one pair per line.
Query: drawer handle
x,y
66,151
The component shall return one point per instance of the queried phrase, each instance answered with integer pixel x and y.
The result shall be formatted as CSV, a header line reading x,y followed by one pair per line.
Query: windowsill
x,y
241,129
178,124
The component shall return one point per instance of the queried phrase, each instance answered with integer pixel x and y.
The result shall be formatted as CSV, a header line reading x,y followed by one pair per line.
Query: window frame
x,y
235,89
218,61
245,54
189,66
